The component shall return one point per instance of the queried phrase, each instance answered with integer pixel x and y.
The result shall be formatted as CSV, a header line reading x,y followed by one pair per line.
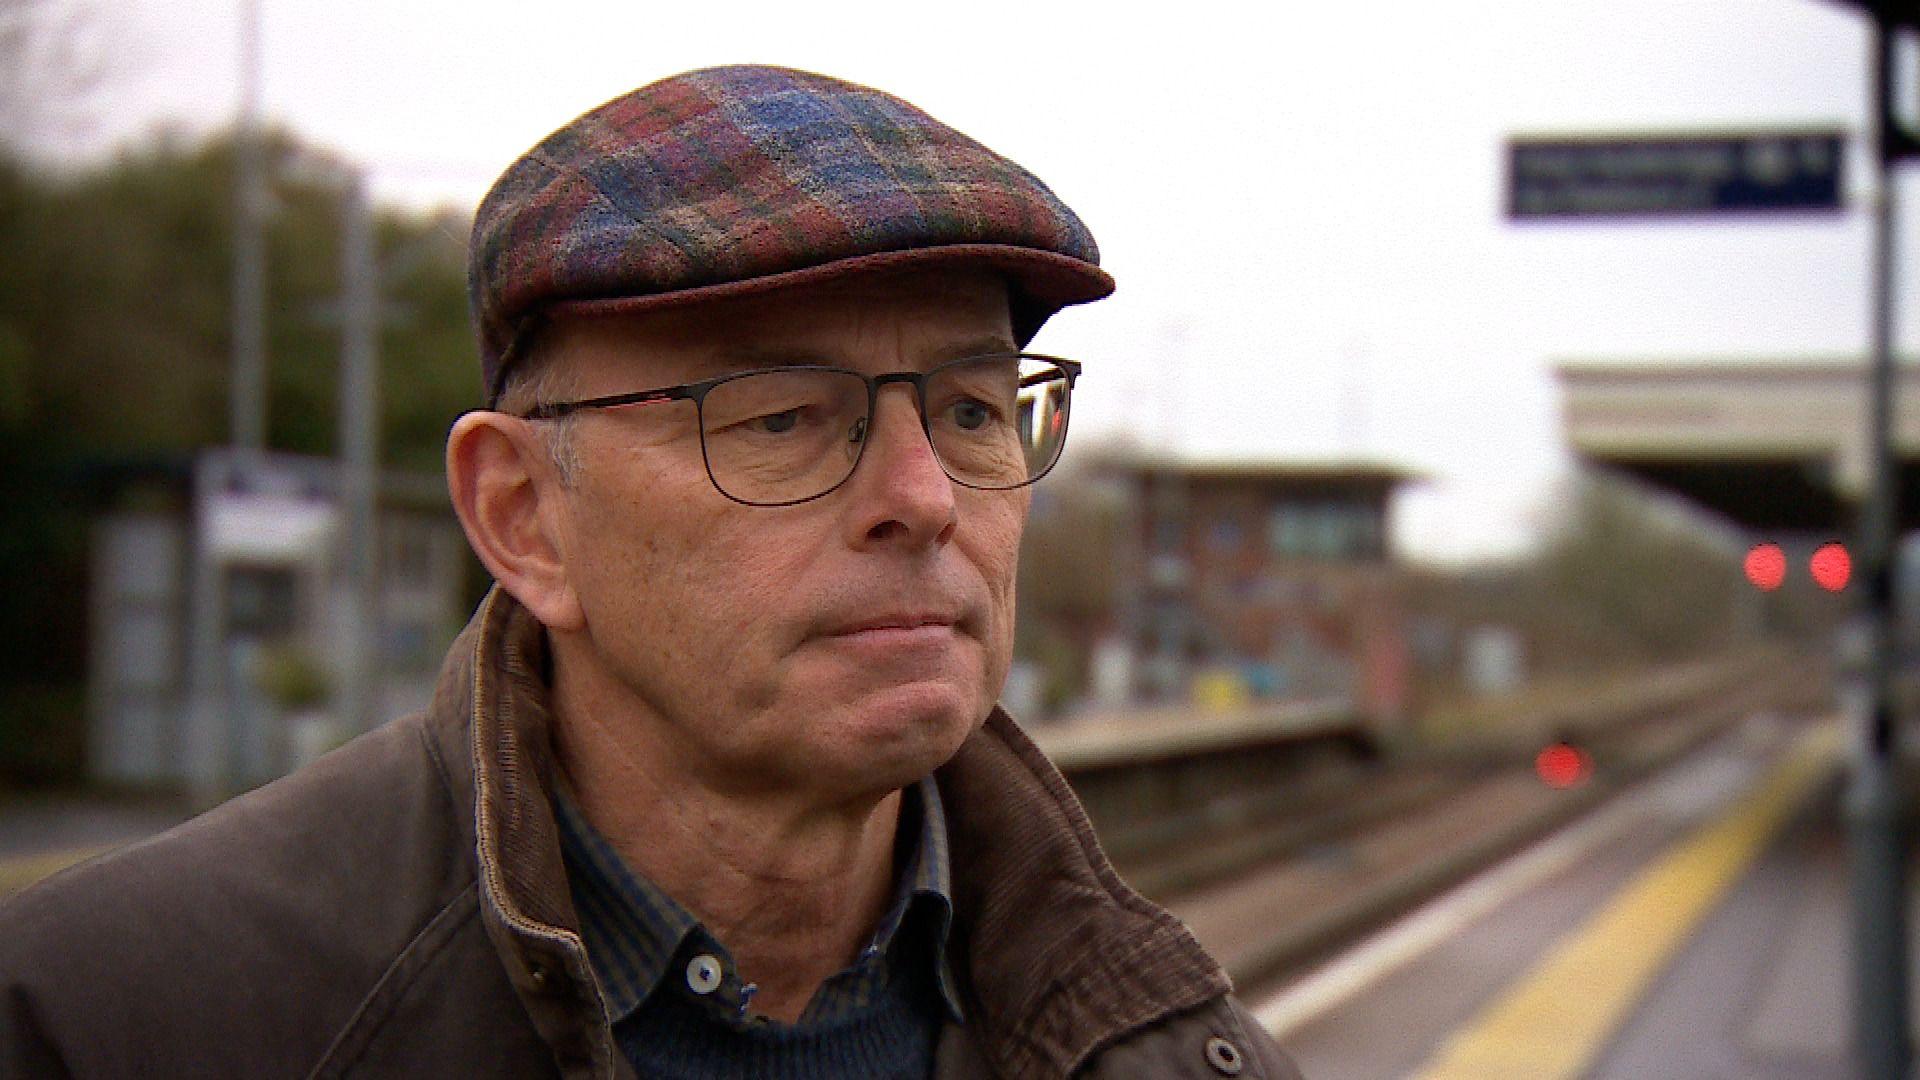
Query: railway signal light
x,y
1831,567
1766,566
1563,766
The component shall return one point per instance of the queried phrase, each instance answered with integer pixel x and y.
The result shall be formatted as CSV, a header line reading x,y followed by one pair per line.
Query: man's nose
x,y
899,486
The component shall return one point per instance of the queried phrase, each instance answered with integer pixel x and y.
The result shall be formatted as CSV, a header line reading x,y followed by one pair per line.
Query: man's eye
x,y
778,423
971,415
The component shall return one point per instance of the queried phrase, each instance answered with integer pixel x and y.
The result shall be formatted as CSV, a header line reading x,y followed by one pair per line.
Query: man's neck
x,y
792,890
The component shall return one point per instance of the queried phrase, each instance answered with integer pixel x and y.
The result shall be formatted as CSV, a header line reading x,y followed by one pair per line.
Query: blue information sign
x,y
1665,176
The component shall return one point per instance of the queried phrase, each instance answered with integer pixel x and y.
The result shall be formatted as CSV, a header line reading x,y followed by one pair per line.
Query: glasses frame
x,y
697,392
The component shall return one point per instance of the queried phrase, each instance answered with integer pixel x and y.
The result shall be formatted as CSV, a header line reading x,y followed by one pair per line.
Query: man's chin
x,y
908,731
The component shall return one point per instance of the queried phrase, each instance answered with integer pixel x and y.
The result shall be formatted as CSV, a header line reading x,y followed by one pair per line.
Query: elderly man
x,y
714,783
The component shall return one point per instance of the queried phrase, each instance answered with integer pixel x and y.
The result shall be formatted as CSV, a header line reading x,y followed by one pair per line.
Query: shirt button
x,y
703,974
1224,1057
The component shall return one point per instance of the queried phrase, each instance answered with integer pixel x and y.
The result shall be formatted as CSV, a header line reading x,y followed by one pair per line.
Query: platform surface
x,y
1695,927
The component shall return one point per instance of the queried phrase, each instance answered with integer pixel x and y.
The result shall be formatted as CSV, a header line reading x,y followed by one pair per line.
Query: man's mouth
x,y
903,621
891,637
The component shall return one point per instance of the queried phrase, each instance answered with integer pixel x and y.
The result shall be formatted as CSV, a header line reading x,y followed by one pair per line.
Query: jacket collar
x,y
1064,957
1032,891
490,719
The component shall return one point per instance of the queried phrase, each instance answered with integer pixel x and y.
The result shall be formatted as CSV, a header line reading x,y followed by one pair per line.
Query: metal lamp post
x,y
1875,802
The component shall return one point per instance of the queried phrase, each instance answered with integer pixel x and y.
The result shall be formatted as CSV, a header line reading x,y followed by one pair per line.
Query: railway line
x,y
1362,840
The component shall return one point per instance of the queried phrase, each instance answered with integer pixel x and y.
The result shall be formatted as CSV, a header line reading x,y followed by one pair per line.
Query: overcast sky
x,y
1301,202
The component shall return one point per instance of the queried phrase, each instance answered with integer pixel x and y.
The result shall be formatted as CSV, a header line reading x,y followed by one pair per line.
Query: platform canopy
x,y
1770,444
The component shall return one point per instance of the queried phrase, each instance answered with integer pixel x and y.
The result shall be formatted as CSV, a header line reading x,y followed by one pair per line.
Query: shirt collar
x,y
630,927
634,932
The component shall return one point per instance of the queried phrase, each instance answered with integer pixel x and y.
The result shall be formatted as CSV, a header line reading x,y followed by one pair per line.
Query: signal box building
x,y
1263,580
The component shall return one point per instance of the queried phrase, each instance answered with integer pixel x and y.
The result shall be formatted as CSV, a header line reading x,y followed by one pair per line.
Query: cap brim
x,y
1047,278
1043,282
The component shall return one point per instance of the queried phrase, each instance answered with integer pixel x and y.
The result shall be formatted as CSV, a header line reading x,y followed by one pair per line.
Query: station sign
x,y
1575,177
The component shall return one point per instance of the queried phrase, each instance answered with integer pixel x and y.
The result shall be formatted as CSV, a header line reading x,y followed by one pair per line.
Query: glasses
x,y
779,436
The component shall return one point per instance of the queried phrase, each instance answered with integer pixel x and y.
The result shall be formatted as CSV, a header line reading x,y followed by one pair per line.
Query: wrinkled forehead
x,y
910,320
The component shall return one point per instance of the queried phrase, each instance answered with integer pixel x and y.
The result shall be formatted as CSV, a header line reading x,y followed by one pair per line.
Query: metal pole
x,y
248,404
1875,804
359,410
206,751
208,748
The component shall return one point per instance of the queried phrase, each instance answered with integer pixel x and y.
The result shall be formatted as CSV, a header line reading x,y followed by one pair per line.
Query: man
x,y
714,783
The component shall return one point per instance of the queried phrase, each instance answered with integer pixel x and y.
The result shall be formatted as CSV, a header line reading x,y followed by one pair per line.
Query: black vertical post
x,y
1876,817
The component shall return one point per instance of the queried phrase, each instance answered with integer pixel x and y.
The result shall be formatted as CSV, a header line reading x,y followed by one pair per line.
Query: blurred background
x,y
1401,496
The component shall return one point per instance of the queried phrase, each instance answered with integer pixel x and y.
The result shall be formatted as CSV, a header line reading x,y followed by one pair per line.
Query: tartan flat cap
x,y
735,180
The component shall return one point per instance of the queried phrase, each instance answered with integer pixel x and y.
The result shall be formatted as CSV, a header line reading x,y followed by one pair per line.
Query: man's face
x,y
844,645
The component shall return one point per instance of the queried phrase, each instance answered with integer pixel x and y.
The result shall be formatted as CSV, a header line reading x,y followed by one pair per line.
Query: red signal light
x,y
1562,766
1831,567
1766,566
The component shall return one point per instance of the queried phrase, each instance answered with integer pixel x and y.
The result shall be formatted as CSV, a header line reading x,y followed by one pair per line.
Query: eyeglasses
x,y
779,436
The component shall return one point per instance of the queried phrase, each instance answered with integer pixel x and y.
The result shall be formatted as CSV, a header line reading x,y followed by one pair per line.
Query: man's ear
x,y
508,495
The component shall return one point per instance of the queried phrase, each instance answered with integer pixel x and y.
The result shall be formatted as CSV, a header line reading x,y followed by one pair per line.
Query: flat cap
x,y
736,180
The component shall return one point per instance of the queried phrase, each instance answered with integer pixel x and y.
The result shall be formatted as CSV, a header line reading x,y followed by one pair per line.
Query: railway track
x,y
1292,881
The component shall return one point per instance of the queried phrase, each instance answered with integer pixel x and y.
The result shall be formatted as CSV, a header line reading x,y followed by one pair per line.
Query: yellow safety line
x,y
1556,1019
22,871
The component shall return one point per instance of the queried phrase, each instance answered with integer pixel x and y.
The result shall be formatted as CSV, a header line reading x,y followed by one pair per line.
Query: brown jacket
x,y
399,908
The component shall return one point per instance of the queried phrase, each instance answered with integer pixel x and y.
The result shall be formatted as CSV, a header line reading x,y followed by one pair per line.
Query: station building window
x,y
1168,534
1324,530
263,601
1225,536
1286,530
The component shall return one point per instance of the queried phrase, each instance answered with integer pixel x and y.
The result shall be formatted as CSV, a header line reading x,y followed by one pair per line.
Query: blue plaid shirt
x,y
634,932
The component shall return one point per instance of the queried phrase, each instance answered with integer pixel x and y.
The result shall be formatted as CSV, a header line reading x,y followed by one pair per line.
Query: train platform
x,y
1696,926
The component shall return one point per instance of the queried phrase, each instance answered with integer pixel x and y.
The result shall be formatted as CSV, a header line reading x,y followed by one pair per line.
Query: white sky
x,y
1301,202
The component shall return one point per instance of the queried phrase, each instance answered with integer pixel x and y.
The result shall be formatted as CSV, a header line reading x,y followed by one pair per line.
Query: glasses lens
x,y
998,421
782,436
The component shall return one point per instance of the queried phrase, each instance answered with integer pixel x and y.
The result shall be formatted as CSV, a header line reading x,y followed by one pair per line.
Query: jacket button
x,y
544,979
1224,1057
703,974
